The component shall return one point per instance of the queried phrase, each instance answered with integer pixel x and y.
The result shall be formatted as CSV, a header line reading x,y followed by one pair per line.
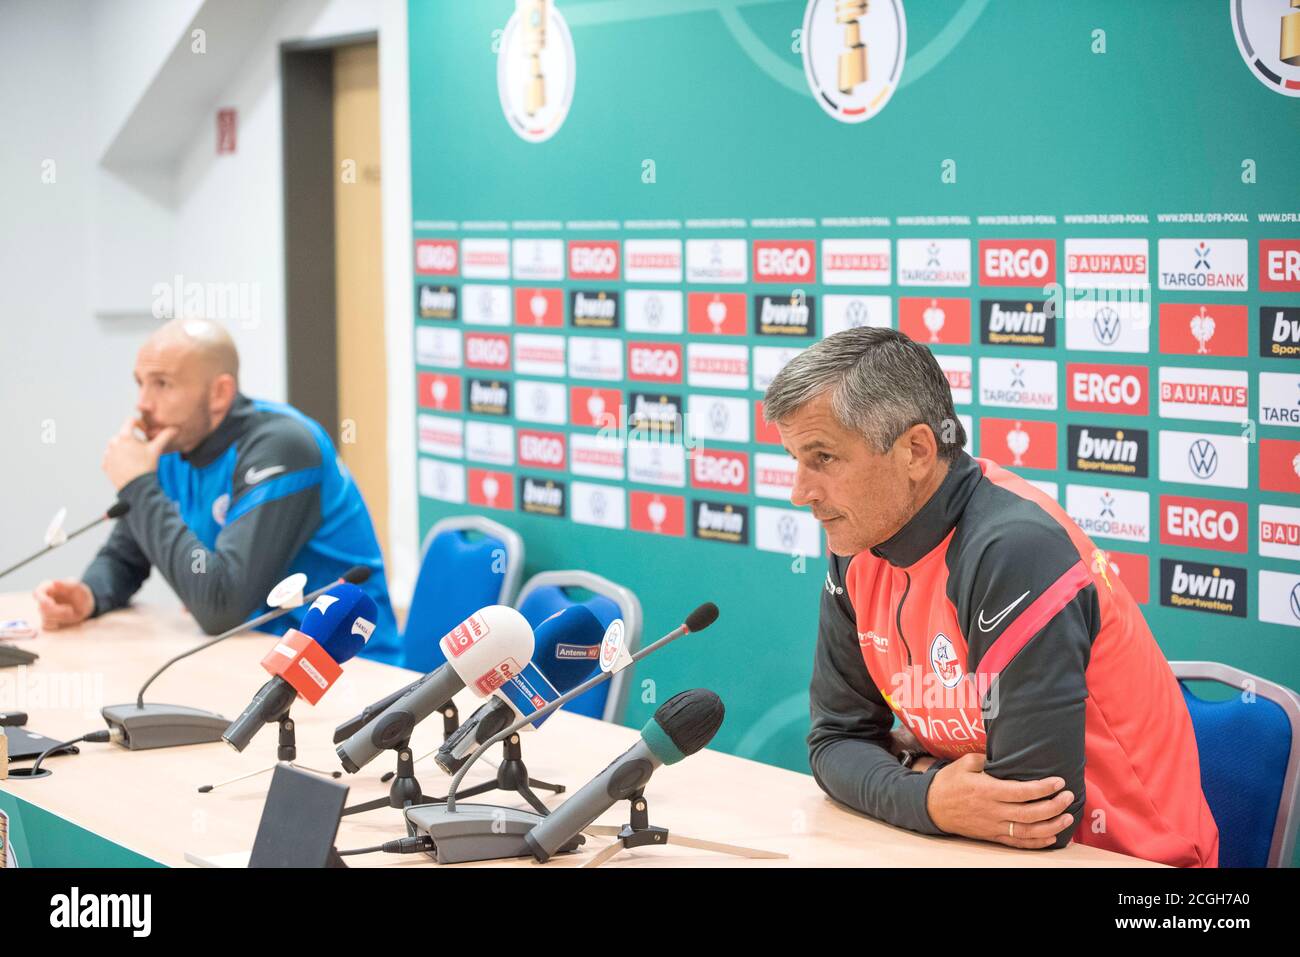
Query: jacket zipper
x,y
898,617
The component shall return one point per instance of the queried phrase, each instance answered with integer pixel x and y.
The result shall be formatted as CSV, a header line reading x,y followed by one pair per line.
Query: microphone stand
x,y
405,789
639,832
286,753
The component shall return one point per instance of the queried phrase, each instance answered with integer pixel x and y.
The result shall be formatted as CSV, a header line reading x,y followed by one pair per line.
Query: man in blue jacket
x,y
228,495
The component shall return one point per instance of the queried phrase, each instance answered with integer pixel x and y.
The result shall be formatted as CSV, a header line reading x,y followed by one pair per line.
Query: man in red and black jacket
x,y
1035,705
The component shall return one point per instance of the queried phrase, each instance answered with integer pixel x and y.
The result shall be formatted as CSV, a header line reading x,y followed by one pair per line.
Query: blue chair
x,y
548,592
1250,763
466,563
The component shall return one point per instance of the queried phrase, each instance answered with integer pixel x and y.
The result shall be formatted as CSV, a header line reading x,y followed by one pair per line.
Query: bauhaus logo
x,y
1203,523
787,261
856,262
1220,589
1017,262
1008,322
1279,532
1106,263
1219,395
1107,388
1106,451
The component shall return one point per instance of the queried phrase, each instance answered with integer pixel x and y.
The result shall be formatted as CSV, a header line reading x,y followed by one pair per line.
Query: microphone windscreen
x,y
568,647
684,724
702,617
341,620
117,509
357,574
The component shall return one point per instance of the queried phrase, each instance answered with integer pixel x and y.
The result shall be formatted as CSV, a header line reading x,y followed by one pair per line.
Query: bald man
x,y
228,495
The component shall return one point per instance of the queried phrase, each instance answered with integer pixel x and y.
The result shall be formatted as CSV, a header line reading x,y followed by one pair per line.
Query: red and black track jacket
x,y
991,623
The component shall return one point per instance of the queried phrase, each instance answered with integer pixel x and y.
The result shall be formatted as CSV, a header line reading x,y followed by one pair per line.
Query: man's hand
x,y
964,800
127,457
63,603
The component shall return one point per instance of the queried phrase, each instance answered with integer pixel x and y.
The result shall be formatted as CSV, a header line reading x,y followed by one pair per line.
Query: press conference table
x,y
147,801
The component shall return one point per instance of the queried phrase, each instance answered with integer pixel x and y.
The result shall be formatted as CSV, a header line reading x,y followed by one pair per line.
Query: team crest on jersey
x,y
219,508
943,659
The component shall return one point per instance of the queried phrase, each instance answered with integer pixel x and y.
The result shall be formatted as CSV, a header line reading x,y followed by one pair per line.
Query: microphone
x,y
566,652
144,726
56,536
306,663
684,724
483,652
701,618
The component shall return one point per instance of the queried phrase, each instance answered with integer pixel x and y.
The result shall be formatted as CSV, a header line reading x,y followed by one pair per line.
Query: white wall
x,y
96,241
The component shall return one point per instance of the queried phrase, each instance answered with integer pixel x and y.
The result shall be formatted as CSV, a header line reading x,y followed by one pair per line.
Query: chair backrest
x,y
466,563
547,592
1249,749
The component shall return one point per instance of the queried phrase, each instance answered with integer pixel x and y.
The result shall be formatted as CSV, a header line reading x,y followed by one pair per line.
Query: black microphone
x,y
116,510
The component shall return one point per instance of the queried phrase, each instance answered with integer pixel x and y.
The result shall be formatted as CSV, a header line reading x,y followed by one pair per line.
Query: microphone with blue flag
x,y
307,661
566,654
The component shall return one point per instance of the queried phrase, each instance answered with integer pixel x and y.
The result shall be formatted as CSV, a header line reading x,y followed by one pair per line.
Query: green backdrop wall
x,y
1014,118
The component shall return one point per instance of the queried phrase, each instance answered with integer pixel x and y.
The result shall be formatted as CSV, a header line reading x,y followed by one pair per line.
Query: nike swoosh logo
x,y
253,476
991,623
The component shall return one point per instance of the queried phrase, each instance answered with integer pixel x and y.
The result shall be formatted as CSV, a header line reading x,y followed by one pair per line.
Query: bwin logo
x,y
1106,326
74,910
1203,458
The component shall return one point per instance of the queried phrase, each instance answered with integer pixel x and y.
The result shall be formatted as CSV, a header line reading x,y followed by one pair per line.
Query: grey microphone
x,y
684,724
696,621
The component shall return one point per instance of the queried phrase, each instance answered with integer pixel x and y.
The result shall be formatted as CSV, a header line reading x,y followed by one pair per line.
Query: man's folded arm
x,y
267,524
1032,662
848,746
116,572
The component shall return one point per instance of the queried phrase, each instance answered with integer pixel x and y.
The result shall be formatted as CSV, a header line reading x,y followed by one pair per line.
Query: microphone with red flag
x,y
306,662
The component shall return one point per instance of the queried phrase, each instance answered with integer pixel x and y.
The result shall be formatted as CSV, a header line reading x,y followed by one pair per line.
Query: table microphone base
x,y
477,832
163,725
